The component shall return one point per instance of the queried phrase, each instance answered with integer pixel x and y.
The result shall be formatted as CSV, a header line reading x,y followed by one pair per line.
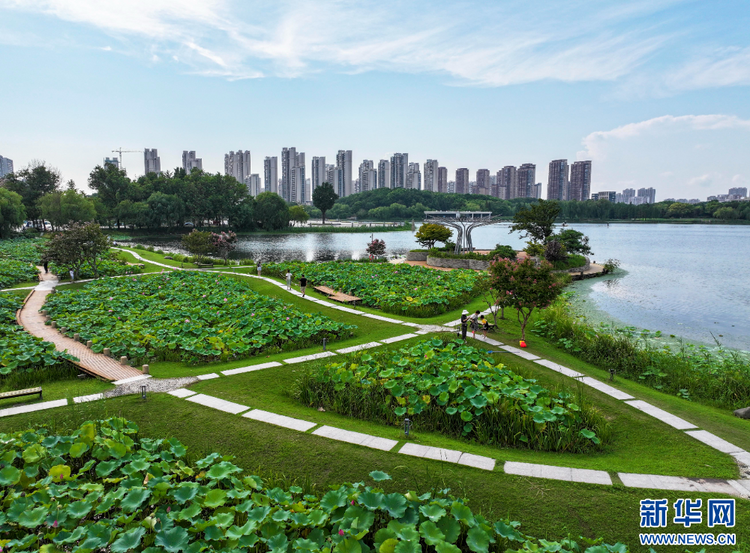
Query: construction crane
x,y
121,151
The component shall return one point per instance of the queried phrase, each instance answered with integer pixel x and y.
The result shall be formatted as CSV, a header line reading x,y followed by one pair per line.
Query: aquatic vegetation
x,y
401,289
106,488
186,316
455,389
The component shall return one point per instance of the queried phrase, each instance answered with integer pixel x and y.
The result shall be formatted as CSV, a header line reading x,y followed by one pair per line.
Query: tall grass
x,y
716,377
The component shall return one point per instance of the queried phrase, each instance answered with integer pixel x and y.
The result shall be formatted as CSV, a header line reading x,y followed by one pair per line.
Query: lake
x,y
692,281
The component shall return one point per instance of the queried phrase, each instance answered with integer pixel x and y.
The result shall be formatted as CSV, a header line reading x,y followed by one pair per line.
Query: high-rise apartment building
x,y
331,175
483,182
451,187
627,195
237,165
112,161
151,161
536,191
525,180
442,181
557,180
740,191
344,164
368,176
580,181
462,181
298,192
399,170
253,185
609,195
414,177
648,193
190,161
318,175
384,174
508,177
431,170
293,176
271,174
6,166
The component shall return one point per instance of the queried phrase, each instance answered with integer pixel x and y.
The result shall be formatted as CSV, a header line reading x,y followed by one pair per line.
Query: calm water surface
x,y
689,280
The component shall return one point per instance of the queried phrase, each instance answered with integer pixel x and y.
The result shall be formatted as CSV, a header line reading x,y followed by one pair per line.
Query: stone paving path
x,y
33,322
740,487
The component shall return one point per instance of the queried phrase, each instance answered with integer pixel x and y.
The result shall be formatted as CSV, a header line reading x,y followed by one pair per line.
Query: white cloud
x,y
661,152
487,44
704,180
595,144
716,68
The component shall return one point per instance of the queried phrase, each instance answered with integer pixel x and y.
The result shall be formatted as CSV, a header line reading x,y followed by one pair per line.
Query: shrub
x,y
457,390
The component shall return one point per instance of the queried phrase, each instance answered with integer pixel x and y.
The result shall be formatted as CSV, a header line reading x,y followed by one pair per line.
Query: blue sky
x,y
654,92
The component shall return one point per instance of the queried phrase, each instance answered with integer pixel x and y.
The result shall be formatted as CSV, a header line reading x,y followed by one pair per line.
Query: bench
x,y
205,265
325,290
20,393
344,298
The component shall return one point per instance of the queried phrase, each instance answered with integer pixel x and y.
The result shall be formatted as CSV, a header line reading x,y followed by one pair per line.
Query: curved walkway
x,y
739,487
33,322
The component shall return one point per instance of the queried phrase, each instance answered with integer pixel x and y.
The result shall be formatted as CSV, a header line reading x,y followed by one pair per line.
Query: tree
x,y
63,208
198,242
526,285
324,197
79,245
376,248
429,233
496,300
537,221
111,184
575,242
554,251
271,211
726,213
223,243
298,214
678,209
12,212
32,183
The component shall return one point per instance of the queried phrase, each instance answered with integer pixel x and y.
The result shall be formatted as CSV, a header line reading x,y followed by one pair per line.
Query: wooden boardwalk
x,y
92,363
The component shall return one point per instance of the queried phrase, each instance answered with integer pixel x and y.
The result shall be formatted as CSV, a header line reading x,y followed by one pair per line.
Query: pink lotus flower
x,y
169,509
54,524
341,532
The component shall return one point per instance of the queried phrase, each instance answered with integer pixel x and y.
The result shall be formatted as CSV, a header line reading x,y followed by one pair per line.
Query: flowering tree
x,y
525,285
376,248
224,243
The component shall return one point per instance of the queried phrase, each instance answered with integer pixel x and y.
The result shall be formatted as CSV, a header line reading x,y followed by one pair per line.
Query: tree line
x,y
172,199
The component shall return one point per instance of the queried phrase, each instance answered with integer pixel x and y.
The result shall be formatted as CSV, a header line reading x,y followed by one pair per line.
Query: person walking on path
x,y
289,280
46,266
464,324
72,276
475,323
258,268
485,326
303,284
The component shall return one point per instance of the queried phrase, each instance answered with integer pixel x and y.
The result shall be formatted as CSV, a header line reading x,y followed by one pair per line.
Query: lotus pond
x,y
458,390
19,350
28,250
401,289
105,488
186,316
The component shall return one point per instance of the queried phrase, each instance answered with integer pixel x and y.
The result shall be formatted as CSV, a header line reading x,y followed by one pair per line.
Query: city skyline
x,y
653,93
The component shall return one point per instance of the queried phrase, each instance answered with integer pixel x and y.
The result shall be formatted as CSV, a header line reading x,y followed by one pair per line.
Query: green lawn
x,y
547,508
55,389
635,433
130,258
